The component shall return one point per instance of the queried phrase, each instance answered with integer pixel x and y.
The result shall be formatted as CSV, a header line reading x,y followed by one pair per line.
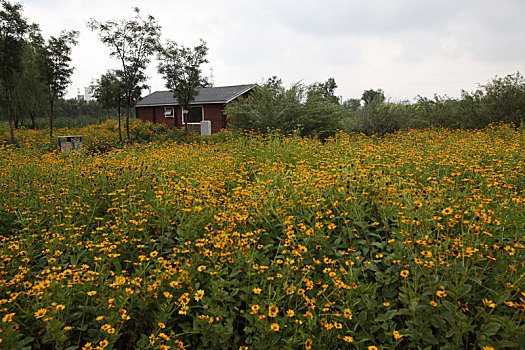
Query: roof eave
x,y
176,104
240,94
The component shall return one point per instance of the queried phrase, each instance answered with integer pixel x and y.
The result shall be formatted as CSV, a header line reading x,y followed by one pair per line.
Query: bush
x,y
500,100
298,109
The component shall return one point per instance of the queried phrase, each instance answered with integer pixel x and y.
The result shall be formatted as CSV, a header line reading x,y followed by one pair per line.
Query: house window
x,y
168,112
195,115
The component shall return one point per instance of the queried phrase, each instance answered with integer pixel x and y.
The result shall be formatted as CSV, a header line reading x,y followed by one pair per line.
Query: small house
x,y
161,107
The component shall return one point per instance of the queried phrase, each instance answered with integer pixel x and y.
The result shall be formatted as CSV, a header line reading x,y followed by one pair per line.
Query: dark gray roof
x,y
219,94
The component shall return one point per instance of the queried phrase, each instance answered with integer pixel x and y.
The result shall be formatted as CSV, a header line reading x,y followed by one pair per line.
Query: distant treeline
x,y
68,113
314,110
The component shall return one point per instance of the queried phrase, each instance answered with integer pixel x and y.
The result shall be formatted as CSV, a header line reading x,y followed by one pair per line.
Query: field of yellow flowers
x,y
410,240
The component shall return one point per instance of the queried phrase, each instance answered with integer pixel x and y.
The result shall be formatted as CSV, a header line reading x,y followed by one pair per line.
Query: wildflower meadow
x,y
411,240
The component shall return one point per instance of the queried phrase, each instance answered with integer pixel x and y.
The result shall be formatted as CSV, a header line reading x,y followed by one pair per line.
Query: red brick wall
x,y
212,112
156,115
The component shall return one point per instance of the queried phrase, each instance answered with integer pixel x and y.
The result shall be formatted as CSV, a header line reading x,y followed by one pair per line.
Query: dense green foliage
x,y
500,100
307,110
314,110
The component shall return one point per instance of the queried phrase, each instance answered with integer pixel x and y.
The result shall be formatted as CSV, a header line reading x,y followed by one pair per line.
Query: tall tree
x,y
110,93
132,42
12,30
373,96
56,71
181,68
30,93
325,90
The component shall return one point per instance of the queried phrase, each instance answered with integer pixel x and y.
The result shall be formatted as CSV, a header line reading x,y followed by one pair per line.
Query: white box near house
x,y
206,128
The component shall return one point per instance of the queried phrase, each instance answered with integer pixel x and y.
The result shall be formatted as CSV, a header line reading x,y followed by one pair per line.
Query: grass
x,y
411,240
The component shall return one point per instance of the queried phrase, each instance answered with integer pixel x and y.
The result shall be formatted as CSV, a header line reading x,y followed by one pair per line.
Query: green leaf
x,y
491,329
429,337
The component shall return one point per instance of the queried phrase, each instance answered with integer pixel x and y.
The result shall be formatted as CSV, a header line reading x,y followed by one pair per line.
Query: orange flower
x,y
397,335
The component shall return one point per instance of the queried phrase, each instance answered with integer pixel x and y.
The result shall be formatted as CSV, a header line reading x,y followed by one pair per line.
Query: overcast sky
x,y
405,47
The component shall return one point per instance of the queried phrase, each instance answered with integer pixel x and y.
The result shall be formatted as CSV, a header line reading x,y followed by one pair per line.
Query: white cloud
x,y
406,47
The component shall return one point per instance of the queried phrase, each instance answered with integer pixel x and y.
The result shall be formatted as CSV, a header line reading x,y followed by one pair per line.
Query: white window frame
x,y
172,112
193,106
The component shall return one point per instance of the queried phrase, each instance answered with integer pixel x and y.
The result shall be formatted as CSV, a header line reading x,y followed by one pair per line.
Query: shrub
x,y
273,107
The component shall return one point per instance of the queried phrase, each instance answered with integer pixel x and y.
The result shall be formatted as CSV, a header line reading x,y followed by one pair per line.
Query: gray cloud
x,y
406,47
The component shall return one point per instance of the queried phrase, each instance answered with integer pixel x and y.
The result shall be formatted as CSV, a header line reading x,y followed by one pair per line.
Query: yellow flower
x,y
67,328
60,307
91,293
257,290
308,344
161,325
427,254
275,327
199,294
433,303
201,268
386,304
447,211
441,293
348,339
404,273
348,314
40,313
103,343
8,317
489,303
397,335
372,347
273,310
290,313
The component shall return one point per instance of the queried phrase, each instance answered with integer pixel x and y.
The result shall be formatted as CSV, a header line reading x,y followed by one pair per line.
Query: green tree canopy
x,y
275,107
181,68
110,92
132,42
56,70
13,27
373,96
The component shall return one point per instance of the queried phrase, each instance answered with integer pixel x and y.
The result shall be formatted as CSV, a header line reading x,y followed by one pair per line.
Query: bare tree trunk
x,y
119,123
185,117
10,116
128,110
51,103
33,120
